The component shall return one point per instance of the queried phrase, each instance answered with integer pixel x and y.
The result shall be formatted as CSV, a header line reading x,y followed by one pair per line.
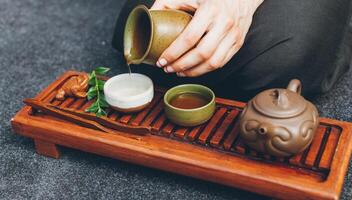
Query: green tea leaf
x,y
100,113
92,89
103,103
92,92
101,84
101,70
96,91
92,77
93,108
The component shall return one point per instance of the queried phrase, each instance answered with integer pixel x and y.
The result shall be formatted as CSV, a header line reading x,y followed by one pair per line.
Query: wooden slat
x,y
239,147
50,97
315,146
142,114
78,103
159,123
330,148
181,132
125,118
168,128
297,159
211,125
194,132
229,102
219,134
232,136
56,102
151,117
114,115
86,105
67,102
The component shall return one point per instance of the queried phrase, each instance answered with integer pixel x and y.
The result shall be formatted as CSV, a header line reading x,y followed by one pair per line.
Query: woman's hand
x,y
214,35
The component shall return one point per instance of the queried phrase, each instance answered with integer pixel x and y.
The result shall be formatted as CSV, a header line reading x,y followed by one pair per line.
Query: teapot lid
x,y
281,103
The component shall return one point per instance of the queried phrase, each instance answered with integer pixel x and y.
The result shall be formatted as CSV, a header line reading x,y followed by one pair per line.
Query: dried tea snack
x,y
76,86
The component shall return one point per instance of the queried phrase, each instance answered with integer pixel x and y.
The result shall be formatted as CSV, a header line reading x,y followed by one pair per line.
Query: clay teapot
x,y
279,122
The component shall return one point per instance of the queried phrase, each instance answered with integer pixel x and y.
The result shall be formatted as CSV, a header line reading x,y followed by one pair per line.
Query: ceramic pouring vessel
x,y
279,122
149,32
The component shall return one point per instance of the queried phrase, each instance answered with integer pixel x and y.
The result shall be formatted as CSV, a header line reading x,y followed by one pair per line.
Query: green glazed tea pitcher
x,y
149,32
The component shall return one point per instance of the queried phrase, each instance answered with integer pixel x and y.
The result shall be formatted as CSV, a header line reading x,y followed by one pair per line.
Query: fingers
x,y
228,47
233,51
187,39
197,71
240,37
204,50
158,5
185,5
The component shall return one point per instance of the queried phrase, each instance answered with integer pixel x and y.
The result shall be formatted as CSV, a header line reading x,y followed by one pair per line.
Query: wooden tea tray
x,y
211,152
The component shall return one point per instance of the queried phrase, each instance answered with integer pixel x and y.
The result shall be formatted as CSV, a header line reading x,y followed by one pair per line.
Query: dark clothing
x,y
309,40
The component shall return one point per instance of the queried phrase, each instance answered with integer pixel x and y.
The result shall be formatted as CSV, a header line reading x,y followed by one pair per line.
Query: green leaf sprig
x,y
96,91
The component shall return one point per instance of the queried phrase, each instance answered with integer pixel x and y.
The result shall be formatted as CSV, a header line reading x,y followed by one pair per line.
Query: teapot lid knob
x,y
280,98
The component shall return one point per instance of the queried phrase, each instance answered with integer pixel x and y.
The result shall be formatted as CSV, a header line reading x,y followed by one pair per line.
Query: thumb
x,y
158,5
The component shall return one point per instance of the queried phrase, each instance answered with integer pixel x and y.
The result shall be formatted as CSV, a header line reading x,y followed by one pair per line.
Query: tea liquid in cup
x,y
189,100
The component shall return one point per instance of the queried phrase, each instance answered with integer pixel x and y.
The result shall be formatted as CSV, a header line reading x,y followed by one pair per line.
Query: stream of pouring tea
x,y
129,68
128,63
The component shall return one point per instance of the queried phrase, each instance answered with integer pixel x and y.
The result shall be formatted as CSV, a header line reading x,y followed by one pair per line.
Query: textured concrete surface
x,y
39,40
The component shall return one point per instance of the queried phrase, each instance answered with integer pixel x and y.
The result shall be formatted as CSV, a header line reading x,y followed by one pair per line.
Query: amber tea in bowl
x,y
189,100
189,104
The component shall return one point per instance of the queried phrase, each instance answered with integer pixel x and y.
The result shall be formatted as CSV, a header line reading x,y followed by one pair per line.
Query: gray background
x,y
39,40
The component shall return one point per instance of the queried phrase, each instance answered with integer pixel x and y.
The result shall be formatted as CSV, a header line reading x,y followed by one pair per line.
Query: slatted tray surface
x,y
221,135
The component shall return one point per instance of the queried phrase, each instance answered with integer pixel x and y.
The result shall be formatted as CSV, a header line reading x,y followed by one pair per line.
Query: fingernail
x,y
180,74
161,63
169,69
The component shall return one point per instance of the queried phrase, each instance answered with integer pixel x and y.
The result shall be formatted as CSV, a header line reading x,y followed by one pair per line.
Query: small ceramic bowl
x,y
129,92
189,117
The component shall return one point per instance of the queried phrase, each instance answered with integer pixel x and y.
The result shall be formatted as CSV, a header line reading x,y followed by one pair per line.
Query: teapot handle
x,y
295,86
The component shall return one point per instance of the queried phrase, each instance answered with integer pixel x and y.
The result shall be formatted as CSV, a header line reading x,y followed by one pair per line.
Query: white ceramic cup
x,y
129,92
